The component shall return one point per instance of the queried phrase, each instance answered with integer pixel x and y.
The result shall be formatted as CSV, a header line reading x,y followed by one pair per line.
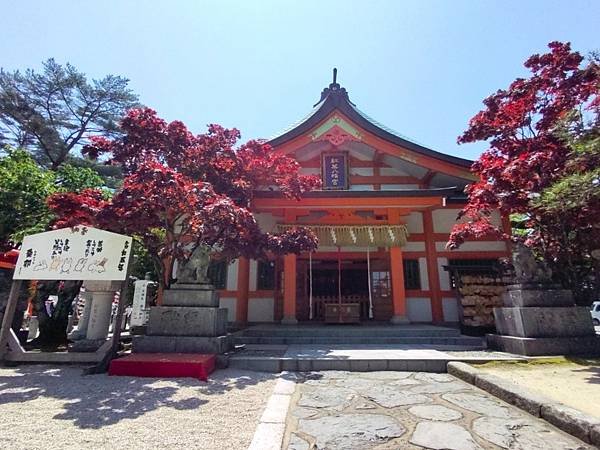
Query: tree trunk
x,y
53,326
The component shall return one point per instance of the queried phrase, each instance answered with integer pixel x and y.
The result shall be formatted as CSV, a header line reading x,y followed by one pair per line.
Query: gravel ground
x,y
43,407
576,385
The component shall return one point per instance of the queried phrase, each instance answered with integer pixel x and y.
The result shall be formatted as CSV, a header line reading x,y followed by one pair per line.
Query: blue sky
x,y
420,67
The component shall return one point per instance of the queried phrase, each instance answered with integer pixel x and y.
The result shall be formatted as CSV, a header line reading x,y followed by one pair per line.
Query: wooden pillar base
x,y
399,320
289,320
239,325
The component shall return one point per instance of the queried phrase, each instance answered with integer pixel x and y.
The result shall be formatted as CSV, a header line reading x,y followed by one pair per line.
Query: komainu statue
x,y
194,270
527,268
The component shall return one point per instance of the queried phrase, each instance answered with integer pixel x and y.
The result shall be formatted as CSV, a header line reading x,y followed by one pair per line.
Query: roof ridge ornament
x,y
335,90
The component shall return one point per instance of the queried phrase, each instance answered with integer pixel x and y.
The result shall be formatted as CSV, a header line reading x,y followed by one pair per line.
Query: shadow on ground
x,y
589,366
99,400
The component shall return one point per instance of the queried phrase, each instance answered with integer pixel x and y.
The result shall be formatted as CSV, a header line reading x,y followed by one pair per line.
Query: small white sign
x,y
79,253
139,311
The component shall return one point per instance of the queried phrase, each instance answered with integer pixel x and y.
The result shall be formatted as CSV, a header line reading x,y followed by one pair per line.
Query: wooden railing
x,y
319,305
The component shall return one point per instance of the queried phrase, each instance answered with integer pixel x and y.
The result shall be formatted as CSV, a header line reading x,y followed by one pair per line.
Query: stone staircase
x,y
368,347
383,334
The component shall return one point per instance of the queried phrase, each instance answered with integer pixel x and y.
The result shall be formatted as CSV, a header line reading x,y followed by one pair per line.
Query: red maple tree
x,y
183,190
525,126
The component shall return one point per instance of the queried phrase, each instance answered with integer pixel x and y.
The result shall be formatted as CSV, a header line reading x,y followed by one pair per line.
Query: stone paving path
x,y
409,410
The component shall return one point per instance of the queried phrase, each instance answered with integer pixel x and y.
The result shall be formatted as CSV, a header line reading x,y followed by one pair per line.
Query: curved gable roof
x,y
336,97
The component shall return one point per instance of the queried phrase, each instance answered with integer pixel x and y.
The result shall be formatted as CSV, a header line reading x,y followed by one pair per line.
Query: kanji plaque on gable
x,y
335,171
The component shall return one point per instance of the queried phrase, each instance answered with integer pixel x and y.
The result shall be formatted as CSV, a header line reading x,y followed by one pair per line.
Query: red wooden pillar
x,y
437,311
289,289
398,292
243,280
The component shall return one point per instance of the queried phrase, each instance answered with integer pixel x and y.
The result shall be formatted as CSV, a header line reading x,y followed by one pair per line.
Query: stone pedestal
x,y
184,294
96,320
542,319
188,321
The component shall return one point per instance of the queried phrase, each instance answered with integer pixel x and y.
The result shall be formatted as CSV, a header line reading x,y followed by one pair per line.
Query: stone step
x,y
352,340
181,344
274,348
363,358
357,332
276,365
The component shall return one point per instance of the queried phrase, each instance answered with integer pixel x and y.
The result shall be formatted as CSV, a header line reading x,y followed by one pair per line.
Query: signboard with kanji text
x,y
79,253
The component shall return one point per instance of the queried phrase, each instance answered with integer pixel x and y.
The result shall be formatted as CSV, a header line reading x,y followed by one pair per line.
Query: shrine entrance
x,y
347,283
374,250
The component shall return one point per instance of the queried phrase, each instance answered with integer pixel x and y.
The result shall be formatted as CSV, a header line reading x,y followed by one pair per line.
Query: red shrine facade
x,y
383,217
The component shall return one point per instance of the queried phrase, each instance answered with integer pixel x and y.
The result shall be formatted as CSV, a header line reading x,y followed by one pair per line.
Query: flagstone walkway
x,y
409,410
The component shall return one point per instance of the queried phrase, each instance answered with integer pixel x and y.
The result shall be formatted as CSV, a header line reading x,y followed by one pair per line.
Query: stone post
x,y
100,315
82,325
139,309
102,294
33,328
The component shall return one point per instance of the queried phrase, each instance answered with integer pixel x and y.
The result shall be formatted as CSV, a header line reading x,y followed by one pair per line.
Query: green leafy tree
x,y
579,189
575,198
112,175
55,111
24,187
75,179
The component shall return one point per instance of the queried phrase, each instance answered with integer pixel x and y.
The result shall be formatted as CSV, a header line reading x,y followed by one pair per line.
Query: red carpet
x,y
164,365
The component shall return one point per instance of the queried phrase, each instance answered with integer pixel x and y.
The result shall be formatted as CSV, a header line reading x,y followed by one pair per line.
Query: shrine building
x,y
383,217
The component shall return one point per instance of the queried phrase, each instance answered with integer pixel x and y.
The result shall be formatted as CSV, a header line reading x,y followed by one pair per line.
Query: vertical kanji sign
x,y
335,171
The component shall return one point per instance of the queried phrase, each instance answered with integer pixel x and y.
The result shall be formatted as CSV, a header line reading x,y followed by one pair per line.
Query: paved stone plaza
x,y
407,410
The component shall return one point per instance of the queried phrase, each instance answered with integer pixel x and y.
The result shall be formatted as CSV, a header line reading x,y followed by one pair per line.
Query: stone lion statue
x,y
194,270
527,268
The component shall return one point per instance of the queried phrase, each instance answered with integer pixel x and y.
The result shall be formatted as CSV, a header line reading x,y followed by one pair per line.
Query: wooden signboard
x,y
78,253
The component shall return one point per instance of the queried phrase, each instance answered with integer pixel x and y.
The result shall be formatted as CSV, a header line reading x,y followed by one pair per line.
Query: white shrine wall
x,y
229,304
418,309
